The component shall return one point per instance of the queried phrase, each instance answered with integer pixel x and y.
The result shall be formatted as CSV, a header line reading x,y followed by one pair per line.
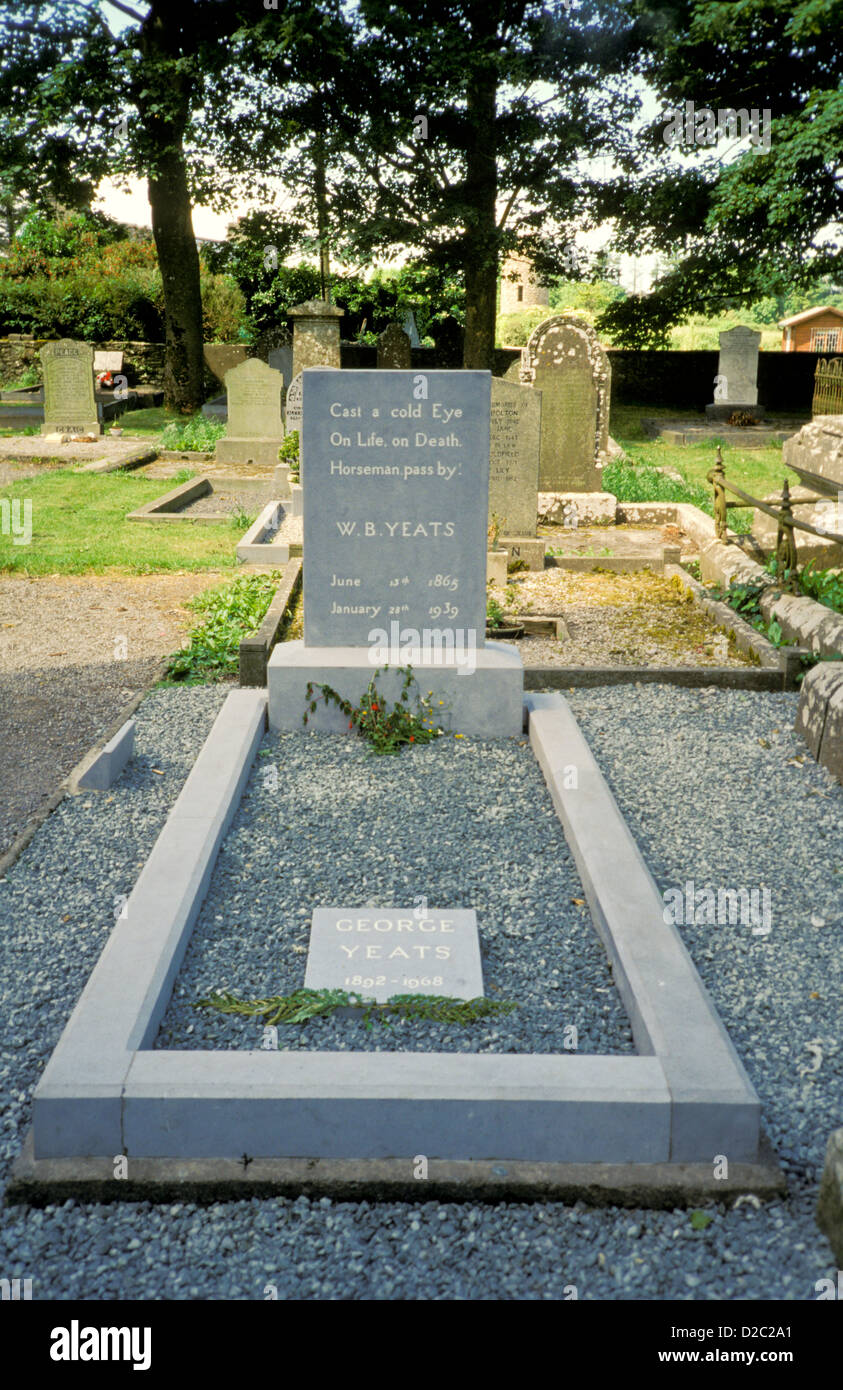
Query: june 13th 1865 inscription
x,y
396,483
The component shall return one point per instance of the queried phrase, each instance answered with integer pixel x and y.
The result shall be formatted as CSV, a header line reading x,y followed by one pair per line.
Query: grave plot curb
x,y
693,677
167,506
69,786
106,1091
255,650
788,660
135,460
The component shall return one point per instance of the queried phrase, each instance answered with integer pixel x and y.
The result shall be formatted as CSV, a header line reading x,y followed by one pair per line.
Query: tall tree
x,y
752,224
459,132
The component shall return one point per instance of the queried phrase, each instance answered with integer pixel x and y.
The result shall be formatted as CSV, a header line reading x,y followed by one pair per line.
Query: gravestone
x,y
396,489
70,405
564,360
394,350
105,361
515,450
379,952
292,417
281,358
316,335
736,384
255,430
411,330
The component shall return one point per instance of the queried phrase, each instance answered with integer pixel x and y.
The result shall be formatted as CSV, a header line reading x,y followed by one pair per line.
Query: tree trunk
x,y
481,238
163,99
178,260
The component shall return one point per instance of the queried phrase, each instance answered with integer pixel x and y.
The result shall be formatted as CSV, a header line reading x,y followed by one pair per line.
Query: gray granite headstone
x,y
515,448
378,952
69,403
396,493
394,349
737,367
281,358
564,360
255,430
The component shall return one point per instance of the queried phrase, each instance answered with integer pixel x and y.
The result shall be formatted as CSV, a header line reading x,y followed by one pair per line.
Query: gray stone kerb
x,y
106,1091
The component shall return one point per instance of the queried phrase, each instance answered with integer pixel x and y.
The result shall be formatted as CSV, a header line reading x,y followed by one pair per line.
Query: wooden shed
x,y
814,330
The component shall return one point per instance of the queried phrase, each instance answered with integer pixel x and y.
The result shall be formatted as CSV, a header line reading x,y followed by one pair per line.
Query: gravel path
x,y
56,909
460,822
73,651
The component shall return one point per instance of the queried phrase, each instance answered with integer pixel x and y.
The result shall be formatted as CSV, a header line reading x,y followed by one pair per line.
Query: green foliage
x,y
289,454
701,1220
644,484
199,434
304,1004
228,614
494,613
826,586
82,276
746,600
386,729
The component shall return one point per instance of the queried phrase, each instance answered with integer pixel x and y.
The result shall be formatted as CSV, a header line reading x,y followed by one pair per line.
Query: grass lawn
x,y
79,526
146,422
758,471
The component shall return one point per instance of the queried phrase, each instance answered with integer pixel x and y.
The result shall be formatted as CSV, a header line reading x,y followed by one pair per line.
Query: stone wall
x,y
143,362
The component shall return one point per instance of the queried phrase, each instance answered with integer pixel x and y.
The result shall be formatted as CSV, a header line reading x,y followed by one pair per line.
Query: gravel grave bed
x,y
57,907
461,822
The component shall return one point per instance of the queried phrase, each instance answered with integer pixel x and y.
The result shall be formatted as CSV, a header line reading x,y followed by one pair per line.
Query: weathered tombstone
x,y
411,330
396,492
316,335
564,360
281,358
255,429
736,383
394,350
378,952
515,450
69,402
221,357
292,413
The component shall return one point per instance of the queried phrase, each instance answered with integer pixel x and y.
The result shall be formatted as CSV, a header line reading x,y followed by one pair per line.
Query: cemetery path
x,y
73,652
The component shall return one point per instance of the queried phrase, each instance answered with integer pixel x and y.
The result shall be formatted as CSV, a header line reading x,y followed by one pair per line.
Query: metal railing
x,y
786,554
828,387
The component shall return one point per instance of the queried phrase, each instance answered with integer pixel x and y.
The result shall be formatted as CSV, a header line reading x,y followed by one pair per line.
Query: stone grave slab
x,y
70,406
736,387
395,503
379,952
255,429
316,335
564,360
105,361
514,457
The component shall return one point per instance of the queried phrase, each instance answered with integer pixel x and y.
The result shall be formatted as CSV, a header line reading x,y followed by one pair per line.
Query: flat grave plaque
x,y
378,952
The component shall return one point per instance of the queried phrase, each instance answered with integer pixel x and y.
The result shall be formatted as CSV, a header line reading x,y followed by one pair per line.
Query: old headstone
x,y
105,361
564,360
281,358
379,952
411,330
396,490
255,429
394,350
221,357
515,449
736,384
316,335
69,403
292,411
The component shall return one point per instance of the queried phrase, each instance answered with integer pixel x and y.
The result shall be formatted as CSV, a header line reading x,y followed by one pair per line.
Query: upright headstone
x,y
515,451
316,335
411,330
394,350
736,384
292,417
564,360
69,402
255,429
396,494
281,358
